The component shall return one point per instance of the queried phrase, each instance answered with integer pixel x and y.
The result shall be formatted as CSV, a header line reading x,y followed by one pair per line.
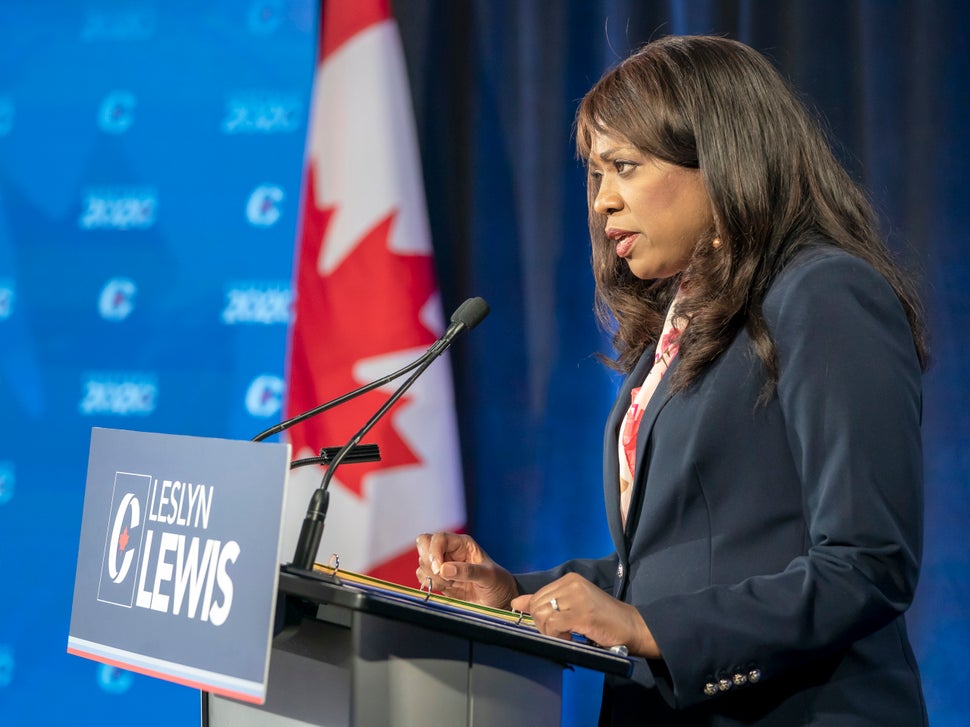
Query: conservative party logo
x,y
6,299
7,663
117,299
264,398
265,16
263,207
157,555
113,680
117,112
125,530
8,481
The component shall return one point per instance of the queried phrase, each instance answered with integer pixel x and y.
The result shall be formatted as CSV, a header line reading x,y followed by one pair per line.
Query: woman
x,y
762,464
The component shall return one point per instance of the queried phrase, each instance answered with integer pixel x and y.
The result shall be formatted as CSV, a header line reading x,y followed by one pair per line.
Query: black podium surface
x,y
355,651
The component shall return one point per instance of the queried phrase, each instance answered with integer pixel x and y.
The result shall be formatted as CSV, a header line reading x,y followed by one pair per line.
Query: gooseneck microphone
x,y
468,315
286,424
460,320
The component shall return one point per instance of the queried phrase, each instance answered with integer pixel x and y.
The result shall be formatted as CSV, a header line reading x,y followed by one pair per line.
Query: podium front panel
x,y
348,667
346,655
309,683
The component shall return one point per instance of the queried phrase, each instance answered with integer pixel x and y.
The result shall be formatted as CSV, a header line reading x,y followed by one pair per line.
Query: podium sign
x,y
178,558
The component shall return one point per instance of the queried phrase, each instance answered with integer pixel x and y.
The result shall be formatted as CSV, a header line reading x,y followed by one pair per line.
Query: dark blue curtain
x,y
193,115
495,86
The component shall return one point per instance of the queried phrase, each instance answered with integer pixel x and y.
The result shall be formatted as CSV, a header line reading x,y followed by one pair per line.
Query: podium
x,y
346,655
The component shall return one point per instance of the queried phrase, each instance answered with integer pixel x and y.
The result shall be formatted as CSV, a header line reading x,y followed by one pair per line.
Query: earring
x,y
716,243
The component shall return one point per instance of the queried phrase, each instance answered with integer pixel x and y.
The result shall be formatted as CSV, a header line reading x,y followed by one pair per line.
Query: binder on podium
x,y
352,650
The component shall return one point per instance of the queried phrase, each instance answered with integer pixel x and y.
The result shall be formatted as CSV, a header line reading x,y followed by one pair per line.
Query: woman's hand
x,y
574,605
459,568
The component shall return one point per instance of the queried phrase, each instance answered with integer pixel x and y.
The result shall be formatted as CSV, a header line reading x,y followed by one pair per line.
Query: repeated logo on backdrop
x,y
6,665
120,394
263,208
117,112
147,228
264,398
118,208
265,16
117,299
8,481
6,299
266,112
264,303
114,680
130,22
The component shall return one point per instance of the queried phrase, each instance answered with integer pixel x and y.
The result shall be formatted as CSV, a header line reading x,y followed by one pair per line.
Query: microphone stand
x,y
468,315
312,530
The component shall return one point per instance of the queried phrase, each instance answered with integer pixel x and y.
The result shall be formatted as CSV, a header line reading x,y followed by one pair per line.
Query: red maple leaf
x,y
366,307
123,539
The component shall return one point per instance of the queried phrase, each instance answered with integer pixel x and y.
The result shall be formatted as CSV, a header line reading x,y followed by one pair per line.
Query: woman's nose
x,y
607,201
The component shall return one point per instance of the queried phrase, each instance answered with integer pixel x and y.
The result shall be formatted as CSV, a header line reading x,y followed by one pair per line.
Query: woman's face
x,y
656,212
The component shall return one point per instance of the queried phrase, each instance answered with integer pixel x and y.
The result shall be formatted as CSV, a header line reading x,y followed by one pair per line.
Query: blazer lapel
x,y
657,402
611,463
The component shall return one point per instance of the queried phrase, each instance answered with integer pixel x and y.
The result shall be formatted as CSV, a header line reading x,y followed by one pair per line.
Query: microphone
x,y
469,314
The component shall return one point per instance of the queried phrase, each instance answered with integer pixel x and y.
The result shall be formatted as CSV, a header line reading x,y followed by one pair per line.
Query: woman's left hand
x,y
573,604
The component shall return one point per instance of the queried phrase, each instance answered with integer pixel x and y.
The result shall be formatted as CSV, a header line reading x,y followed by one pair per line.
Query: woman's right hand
x,y
459,568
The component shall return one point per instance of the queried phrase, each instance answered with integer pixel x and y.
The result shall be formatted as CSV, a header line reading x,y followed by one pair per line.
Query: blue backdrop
x,y
150,163
150,159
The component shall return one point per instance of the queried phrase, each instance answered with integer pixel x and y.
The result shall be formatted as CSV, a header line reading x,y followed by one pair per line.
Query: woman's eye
x,y
622,167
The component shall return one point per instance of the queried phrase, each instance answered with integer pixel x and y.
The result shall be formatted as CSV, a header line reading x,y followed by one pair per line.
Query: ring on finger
x,y
554,603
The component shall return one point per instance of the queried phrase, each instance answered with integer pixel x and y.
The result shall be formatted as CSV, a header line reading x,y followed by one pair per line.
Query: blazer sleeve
x,y
600,571
850,394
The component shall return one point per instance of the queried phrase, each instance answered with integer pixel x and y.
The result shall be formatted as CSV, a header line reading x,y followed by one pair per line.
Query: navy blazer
x,y
773,549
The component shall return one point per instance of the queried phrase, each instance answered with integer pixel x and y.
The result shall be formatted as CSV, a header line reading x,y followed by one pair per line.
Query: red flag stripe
x,y
343,19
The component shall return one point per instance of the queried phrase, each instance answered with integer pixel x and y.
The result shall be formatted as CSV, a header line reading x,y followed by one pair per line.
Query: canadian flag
x,y
367,303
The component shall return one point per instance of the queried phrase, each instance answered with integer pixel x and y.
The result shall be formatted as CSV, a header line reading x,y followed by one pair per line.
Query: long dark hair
x,y
714,104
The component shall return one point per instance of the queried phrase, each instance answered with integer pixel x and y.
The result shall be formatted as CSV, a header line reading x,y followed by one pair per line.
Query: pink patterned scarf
x,y
667,348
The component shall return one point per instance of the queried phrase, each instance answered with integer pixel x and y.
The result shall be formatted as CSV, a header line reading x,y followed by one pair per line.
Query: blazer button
x,y
619,570
754,676
710,689
740,680
723,684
